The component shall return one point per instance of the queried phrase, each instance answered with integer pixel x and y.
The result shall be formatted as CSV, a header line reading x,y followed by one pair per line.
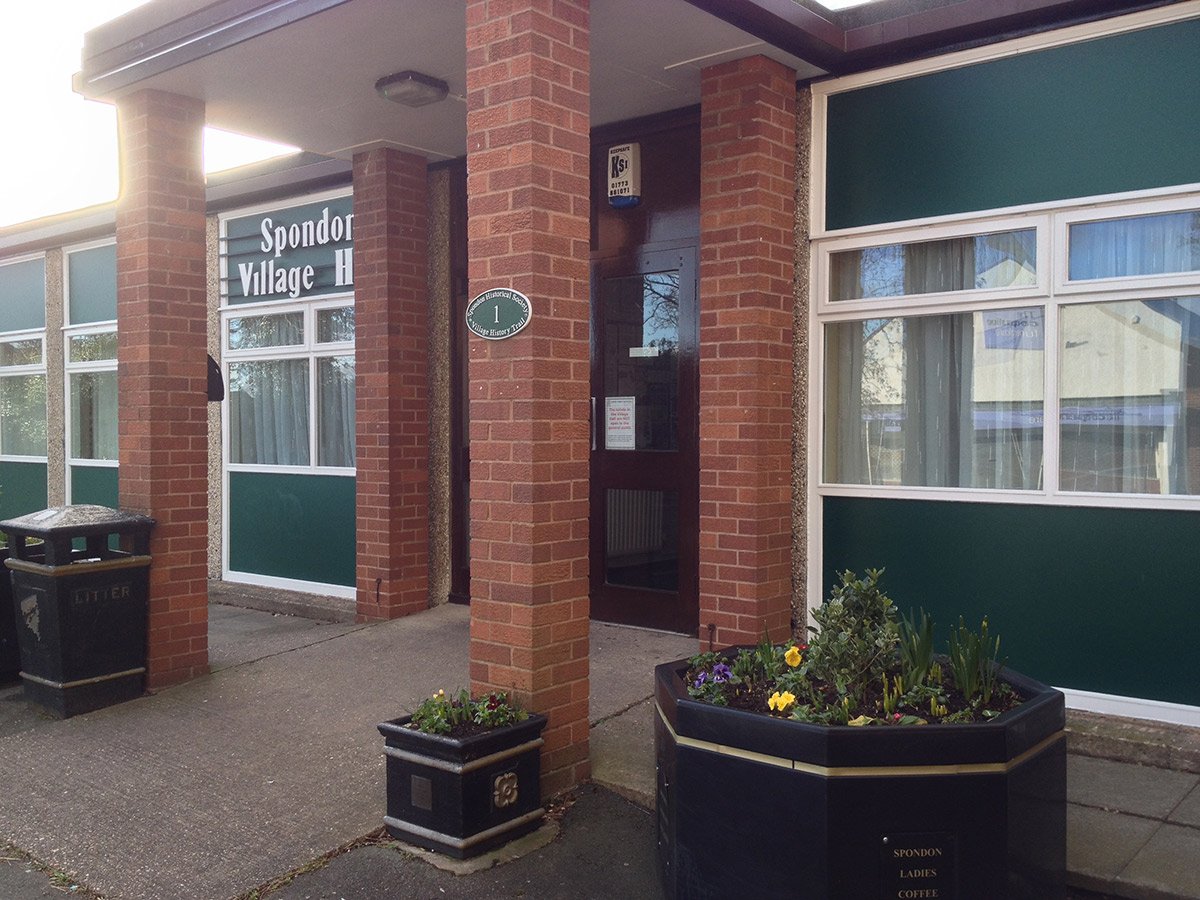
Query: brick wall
x,y
527,183
392,383
748,147
162,373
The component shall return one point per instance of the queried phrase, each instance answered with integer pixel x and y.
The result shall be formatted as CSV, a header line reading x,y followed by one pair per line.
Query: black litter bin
x,y
10,655
80,605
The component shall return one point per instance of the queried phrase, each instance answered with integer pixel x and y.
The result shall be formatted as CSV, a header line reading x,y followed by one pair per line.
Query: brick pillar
x,y
162,374
527,184
748,147
391,384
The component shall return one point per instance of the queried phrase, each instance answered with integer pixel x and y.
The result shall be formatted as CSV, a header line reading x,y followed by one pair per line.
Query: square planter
x,y
463,796
757,806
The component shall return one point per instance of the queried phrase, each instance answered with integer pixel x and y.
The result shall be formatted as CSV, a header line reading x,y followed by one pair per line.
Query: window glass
x,y
256,332
22,352
642,539
94,415
92,347
23,295
23,415
335,325
1143,245
92,283
268,412
1130,396
986,261
335,411
946,400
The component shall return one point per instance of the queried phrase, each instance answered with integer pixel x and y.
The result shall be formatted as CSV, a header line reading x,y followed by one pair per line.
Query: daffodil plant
x,y
864,665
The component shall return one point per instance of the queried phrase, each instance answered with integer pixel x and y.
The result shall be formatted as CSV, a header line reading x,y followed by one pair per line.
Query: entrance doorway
x,y
645,454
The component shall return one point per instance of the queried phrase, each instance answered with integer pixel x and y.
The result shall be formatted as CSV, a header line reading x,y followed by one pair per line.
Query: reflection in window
x,y
92,347
24,352
642,539
254,332
268,412
1143,245
1130,396
94,415
335,325
945,401
23,415
986,261
335,411
641,346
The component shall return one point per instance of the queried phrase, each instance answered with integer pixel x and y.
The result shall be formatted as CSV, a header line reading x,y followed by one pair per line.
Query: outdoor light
x,y
412,88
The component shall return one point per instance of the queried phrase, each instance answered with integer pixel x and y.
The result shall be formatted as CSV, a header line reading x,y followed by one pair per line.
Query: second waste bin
x,y
80,586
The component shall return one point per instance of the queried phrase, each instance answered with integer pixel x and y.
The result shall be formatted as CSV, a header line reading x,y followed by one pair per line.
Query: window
x,y
23,359
1088,387
291,386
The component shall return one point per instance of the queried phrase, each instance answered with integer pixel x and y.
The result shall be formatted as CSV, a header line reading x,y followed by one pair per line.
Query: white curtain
x,y
335,411
268,412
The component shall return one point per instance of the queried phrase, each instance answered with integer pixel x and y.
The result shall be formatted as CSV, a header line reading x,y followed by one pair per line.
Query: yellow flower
x,y
792,657
779,702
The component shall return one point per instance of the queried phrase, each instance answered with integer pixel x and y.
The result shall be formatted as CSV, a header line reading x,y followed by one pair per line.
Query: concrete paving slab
x,y
622,750
605,850
1141,790
622,664
237,636
1100,844
1188,812
1167,867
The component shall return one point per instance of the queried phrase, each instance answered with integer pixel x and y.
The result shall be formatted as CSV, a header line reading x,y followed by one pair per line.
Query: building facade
x,y
909,288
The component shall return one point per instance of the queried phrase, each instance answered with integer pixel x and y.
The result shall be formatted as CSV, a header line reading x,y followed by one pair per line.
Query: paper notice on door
x,y
619,420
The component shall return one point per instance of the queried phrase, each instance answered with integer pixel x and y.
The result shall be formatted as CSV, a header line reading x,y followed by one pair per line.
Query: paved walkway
x,y
210,789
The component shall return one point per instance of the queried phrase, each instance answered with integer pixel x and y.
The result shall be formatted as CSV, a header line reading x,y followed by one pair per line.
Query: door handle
x,y
593,428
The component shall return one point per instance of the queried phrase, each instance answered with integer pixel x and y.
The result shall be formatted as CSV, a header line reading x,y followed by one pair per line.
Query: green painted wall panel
x,y
22,488
1103,600
23,295
292,526
1113,114
94,484
92,282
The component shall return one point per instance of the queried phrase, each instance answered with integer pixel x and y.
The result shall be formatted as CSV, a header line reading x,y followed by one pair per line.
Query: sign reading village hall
x,y
297,252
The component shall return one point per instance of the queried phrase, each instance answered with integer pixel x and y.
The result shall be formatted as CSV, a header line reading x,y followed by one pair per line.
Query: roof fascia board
x,y
786,25
111,65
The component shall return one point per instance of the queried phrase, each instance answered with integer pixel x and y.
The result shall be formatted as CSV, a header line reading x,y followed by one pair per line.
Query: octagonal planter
x,y
750,805
10,651
462,796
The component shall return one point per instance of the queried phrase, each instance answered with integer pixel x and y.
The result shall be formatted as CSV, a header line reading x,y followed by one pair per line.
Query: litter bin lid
x,y
77,520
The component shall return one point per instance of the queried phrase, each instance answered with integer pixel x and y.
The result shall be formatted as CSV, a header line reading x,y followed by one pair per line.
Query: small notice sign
x,y
498,313
619,421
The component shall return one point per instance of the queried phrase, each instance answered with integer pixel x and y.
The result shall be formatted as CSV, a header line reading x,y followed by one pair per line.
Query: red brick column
x,y
748,146
527,200
162,373
391,384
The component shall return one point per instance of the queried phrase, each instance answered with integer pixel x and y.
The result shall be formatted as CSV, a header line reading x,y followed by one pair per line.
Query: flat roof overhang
x,y
303,72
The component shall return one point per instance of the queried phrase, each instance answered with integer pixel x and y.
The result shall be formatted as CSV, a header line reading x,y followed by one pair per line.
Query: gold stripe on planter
x,y
461,768
82,681
1000,768
463,843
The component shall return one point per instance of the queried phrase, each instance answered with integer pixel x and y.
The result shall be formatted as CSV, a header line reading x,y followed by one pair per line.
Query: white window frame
x,y
70,369
31,369
1055,294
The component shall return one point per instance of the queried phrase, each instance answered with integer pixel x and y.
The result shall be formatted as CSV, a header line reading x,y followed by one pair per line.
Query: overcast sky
x,y
58,152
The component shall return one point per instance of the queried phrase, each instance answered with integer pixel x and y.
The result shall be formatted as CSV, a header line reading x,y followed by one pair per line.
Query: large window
x,y
1088,386
291,385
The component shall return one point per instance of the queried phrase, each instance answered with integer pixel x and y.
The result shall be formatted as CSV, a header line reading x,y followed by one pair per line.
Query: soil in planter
x,y
462,730
753,698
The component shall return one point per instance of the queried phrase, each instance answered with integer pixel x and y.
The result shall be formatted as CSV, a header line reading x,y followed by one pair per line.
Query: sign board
x,y
620,417
625,175
291,253
919,866
498,313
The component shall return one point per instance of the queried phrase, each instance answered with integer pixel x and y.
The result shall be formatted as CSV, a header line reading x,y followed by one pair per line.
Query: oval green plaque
x,y
498,313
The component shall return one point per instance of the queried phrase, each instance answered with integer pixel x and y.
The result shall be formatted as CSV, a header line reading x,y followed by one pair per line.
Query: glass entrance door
x,y
644,471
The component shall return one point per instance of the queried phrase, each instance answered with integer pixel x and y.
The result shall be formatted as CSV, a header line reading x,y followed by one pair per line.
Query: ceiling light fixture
x,y
412,88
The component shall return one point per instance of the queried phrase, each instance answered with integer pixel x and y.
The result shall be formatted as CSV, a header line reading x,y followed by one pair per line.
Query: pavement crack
x,y
619,712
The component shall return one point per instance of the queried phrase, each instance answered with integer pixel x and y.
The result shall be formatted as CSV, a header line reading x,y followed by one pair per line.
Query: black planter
x,y
749,805
10,652
463,796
